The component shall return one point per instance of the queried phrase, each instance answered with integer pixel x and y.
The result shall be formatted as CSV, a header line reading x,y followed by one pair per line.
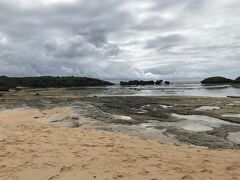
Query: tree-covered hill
x,y
220,80
237,80
49,81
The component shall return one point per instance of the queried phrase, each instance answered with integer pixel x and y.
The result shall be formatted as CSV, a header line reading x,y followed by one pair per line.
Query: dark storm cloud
x,y
120,39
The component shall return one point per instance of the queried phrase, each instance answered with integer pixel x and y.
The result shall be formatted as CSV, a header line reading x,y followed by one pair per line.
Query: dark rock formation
x,y
159,82
147,83
166,82
142,83
217,80
136,82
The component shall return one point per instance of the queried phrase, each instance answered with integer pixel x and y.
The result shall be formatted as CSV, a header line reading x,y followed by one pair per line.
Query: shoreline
x,y
41,151
169,119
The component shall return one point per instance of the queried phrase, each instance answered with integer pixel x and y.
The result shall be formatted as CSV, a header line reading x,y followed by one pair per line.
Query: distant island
x,y
220,80
142,83
48,81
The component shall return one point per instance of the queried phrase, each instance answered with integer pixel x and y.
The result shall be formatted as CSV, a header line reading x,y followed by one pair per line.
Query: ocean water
x,y
174,89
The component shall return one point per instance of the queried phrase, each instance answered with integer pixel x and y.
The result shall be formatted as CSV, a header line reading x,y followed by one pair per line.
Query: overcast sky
x,y
120,39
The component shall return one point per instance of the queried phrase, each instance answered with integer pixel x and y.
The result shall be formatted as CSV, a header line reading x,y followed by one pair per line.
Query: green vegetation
x,y
220,80
48,81
237,80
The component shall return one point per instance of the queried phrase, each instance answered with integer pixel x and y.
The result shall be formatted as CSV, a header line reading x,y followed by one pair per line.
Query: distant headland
x,y
220,80
49,82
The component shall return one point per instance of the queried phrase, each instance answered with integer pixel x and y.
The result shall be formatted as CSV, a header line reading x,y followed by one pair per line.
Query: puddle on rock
x,y
165,106
207,108
147,125
142,111
193,126
125,118
234,137
199,123
236,102
231,115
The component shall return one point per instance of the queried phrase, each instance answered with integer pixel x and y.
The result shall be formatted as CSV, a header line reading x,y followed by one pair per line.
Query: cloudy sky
x,y
120,39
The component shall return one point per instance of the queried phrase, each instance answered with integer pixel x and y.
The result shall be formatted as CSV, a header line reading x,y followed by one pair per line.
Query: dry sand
x,y
30,150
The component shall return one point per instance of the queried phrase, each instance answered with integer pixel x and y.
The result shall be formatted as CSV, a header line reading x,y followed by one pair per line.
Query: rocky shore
x,y
198,121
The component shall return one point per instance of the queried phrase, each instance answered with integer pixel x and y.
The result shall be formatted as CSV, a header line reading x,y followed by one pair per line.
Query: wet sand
x,y
31,149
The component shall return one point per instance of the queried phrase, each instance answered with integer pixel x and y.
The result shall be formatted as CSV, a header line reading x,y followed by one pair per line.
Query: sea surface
x,y
174,89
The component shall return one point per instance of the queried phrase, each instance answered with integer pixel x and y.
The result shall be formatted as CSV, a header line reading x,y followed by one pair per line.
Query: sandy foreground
x,y
30,150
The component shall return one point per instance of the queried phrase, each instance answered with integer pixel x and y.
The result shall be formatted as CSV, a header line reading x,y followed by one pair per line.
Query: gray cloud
x,y
120,39
164,42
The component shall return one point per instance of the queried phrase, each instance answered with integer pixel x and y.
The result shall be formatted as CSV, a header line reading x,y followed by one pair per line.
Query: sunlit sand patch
x,y
234,137
231,115
207,108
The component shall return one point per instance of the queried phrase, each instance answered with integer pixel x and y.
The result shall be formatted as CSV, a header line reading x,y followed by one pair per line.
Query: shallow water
x,y
176,89
195,123
207,108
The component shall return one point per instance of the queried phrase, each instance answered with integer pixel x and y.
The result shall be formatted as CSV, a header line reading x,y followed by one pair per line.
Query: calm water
x,y
175,89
